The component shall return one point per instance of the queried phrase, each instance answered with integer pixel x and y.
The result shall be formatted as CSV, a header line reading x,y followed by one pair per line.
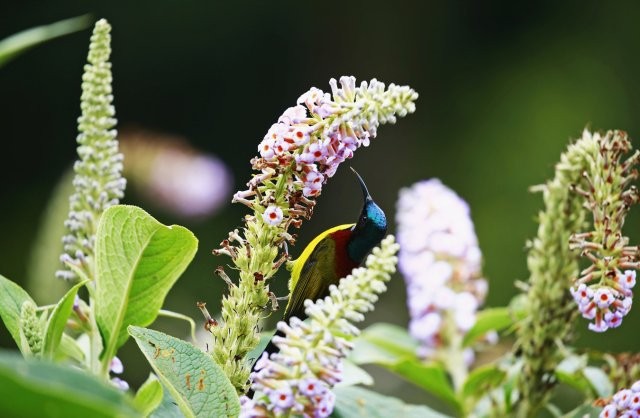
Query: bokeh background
x,y
503,86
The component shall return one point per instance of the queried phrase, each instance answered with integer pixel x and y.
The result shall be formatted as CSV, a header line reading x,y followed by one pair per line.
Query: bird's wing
x,y
315,277
313,272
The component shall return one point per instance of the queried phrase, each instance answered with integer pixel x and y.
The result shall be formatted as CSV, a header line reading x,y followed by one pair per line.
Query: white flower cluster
x,y
297,380
441,262
98,181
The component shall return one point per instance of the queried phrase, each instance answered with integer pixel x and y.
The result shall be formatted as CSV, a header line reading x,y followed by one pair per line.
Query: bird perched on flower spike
x,y
299,153
333,254
330,256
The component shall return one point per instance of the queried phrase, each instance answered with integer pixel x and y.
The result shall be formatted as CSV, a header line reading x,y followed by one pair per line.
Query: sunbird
x,y
331,256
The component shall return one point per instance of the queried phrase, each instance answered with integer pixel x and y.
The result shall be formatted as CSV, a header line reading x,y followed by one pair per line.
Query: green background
x,y
503,86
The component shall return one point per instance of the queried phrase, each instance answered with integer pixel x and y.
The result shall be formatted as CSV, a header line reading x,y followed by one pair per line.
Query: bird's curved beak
x,y
365,192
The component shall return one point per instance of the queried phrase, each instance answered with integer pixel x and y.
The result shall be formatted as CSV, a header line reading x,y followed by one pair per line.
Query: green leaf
x,y
168,407
576,381
354,375
42,389
481,380
194,379
355,402
570,372
137,262
58,320
149,396
383,343
12,297
69,348
430,377
391,347
44,258
15,44
599,381
494,319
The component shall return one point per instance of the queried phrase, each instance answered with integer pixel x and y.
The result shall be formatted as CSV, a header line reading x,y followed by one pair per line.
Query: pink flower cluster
x,y
321,132
607,304
441,262
291,384
625,403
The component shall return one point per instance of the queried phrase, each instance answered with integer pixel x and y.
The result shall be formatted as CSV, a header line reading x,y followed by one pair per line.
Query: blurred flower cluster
x,y
297,379
173,175
603,291
441,263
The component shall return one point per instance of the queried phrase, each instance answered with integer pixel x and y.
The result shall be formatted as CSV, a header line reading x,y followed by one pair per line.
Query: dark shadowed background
x,y
503,86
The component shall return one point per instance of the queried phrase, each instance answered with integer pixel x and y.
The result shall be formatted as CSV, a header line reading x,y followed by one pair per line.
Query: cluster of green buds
x,y
603,291
297,156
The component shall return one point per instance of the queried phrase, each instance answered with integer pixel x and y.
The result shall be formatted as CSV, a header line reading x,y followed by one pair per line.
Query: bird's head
x,y
371,226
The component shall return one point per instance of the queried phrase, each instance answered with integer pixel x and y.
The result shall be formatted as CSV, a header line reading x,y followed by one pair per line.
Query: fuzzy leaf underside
x,y
194,379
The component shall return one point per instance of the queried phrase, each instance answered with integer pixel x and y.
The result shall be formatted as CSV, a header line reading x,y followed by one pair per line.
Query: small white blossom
x,y
272,215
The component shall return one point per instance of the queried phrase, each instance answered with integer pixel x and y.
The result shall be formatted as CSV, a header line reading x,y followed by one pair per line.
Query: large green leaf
x,y
58,320
137,262
20,42
12,297
391,347
41,389
194,379
355,402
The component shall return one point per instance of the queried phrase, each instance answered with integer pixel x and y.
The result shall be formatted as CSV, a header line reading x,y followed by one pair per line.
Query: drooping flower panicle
x,y
98,181
441,263
603,291
297,380
311,139
297,156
